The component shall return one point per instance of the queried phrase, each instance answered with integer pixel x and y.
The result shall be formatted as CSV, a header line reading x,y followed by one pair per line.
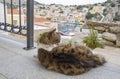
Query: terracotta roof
x,y
38,19
15,11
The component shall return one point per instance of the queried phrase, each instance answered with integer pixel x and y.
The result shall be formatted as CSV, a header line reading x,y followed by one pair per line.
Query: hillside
x,y
108,11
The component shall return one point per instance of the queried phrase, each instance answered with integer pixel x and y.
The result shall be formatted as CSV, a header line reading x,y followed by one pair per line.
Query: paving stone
x,y
115,60
3,77
5,54
21,67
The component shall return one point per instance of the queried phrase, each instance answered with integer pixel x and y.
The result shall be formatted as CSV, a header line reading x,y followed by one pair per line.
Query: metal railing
x,y
25,30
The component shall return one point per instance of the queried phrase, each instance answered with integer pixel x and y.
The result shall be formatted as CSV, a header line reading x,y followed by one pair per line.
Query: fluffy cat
x,y
70,59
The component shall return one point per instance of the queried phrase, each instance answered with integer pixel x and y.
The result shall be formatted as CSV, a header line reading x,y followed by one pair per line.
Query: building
x,y
85,10
36,10
16,19
1,12
97,9
119,8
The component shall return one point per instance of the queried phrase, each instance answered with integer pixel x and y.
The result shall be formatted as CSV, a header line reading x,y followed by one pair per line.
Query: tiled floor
x,y
16,63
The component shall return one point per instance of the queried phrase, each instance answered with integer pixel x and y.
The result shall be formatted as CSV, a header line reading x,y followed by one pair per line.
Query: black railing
x,y
25,30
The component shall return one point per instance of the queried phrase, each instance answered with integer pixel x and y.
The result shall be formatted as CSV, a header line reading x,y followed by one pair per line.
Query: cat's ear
x,y
53,31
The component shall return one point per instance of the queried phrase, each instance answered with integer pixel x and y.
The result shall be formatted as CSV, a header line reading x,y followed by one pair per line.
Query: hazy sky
x,y
70,2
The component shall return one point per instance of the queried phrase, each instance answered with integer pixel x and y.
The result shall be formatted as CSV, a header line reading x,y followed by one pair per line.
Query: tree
x,y
109,1
112,5
91,8
79,7
105,12
89,15
95,4
116,18
48,18
103,4
42,7
61,11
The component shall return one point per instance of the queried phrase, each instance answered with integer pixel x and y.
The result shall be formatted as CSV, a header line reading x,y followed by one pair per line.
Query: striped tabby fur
x,y
70,59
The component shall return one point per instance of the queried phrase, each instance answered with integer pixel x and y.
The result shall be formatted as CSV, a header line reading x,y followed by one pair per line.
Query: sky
x,y
70,2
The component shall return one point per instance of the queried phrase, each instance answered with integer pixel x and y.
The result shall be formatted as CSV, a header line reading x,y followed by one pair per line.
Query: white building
x,y
85,10
16,19
1,12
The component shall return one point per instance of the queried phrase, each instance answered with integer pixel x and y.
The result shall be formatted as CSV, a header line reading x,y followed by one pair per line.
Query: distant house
x,y
97,9
119,9
36,10
85,10
16,20
1,13
43,23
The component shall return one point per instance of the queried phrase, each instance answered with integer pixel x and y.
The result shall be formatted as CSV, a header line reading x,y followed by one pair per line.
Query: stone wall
x,y
110,32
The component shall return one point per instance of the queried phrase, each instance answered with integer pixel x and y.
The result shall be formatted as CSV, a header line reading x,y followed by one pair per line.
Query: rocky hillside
x,y
108,11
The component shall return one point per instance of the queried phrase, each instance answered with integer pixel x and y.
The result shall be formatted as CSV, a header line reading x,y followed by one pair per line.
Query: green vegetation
x,y
108,1
112,5
48,18
116,18
95,4
105,12
41,34
103,4
91,8
61,11
79,7
92,40
42,7
90,16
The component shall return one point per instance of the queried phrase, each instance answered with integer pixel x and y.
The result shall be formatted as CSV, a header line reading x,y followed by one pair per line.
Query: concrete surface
x,y
16,63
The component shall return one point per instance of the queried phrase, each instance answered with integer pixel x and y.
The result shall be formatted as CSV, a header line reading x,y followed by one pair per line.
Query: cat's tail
x,y
94,61
98,60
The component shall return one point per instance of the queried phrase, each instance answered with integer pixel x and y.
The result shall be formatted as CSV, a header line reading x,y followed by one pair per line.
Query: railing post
x,y
4,13
30,24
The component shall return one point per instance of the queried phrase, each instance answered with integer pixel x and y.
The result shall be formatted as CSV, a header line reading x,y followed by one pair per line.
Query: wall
x,y
110,32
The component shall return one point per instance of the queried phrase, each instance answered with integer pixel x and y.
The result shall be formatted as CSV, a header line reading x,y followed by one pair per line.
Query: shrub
x,y
92,40
89,15
61,12
105,12
112,5
48,18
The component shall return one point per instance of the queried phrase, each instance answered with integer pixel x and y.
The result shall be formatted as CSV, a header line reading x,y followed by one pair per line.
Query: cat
x,y
50,38
69,59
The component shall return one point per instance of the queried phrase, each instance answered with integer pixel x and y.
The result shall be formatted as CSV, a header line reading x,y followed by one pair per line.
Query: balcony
x,y
17,63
